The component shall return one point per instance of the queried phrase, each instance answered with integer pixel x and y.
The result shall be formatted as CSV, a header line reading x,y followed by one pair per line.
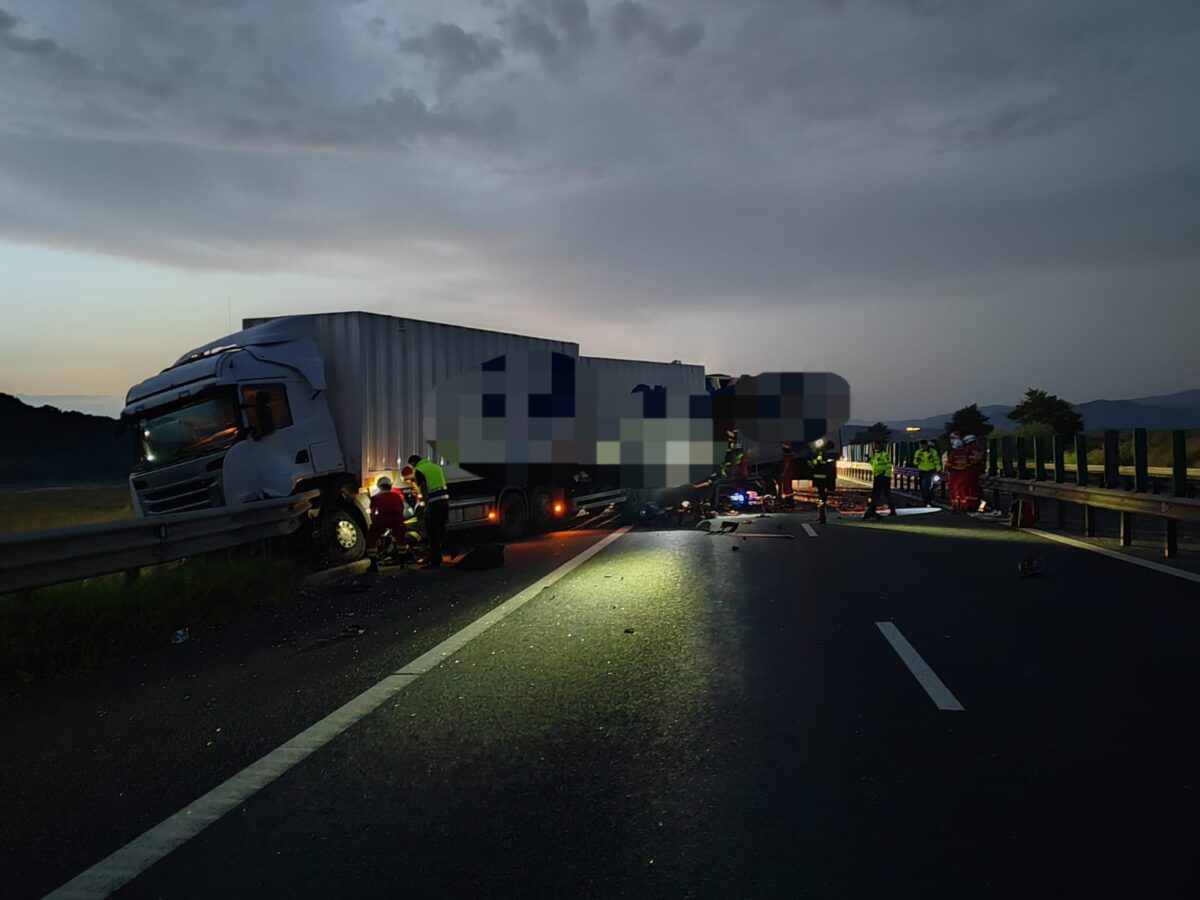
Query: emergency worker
x,y
432,482
957,462
387,511
928,463
787,474
881,484
976,460
820,474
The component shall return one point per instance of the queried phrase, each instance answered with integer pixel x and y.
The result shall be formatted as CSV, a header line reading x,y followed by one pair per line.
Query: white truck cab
x,y
240,419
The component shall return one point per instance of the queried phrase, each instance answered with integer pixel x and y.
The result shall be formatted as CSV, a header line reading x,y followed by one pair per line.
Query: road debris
x,y
180,636
1030,568
350,632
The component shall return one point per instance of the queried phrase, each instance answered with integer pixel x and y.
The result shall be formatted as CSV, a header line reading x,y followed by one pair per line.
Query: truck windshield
x,y
196,428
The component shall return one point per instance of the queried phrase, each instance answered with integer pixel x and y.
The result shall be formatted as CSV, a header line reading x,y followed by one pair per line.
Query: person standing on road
x,y
432,481
787,474
928,463
957,462
881,484
976,460
820,474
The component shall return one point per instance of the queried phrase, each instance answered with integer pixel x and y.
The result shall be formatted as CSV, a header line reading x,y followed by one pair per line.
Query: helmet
x,y
969,439
407,473
384,483
955,434
957,444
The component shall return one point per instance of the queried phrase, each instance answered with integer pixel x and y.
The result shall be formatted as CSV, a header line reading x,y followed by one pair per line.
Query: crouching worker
x,y
387,511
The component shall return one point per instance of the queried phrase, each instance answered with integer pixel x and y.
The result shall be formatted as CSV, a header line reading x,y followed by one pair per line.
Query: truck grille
x,y
191,486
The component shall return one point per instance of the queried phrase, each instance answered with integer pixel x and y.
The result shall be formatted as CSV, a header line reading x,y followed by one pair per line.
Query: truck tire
x,y
342,536
513,516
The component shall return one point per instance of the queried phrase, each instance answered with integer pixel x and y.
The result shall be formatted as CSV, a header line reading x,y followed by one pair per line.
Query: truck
x,y
332,402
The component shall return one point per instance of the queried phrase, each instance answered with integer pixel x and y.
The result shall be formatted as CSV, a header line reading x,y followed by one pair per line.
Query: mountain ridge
x,y
1162,411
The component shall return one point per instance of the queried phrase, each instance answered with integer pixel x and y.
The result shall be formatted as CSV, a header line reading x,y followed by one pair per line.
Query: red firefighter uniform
x,y
976,459
387,511
958,462
787,474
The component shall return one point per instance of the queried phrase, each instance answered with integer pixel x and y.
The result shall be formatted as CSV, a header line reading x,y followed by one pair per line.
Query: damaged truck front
x,y
241,419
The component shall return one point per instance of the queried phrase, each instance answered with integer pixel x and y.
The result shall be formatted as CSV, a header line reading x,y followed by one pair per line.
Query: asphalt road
x,y
673,718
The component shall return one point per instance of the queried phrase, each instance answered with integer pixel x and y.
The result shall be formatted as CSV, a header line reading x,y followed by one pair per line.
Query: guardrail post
x,y
1081,479
1039,458
1022,459
1141,463
993,457
1058,447
1178,488
1112,459
1006,456
1126,529
1179,463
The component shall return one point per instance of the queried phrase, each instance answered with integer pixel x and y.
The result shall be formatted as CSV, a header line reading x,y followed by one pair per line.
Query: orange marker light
x,y
491,515
558,508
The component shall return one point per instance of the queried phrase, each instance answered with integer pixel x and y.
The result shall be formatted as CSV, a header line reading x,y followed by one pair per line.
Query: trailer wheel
x,y
342,536
514,516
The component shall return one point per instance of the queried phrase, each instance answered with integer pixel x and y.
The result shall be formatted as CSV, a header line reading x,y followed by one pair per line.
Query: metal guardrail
x,y
1171,509
1181,509
42,558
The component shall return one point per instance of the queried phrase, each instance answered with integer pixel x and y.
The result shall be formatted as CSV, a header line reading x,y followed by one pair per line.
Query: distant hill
x,y
1180,410
43,444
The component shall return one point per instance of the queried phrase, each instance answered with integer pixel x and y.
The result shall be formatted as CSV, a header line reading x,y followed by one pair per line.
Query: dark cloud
x,y
455,53
17,44
558,32
375,26
632,23
398,117
966,167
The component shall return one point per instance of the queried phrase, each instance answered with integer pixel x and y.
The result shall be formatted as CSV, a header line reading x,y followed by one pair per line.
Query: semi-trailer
x,y
332,402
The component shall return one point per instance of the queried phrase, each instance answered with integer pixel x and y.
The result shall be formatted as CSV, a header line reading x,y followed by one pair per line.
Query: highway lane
x,y
676,718
89,760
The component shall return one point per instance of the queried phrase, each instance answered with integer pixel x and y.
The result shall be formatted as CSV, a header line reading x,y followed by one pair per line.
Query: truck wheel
x,y
514,517
342,536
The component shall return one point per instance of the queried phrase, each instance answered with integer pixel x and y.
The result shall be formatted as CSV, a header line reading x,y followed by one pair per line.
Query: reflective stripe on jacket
x,y
819,466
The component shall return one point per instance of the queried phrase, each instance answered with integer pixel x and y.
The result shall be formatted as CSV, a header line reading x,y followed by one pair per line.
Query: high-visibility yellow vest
x,y
881,463
819,462
927,460
435,481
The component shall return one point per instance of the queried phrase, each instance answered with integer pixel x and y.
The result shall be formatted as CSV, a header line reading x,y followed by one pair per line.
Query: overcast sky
x,y
944,201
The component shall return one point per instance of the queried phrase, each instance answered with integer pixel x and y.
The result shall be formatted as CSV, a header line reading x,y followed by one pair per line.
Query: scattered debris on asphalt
x,y
350,632
180,636
1030,568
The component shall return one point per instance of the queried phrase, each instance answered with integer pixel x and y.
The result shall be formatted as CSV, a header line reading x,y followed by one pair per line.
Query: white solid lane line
x,y
127,863
1116,554
934,687
808,529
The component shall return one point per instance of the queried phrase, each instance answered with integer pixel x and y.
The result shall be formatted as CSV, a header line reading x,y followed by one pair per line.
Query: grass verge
x,y
80,625
32,509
